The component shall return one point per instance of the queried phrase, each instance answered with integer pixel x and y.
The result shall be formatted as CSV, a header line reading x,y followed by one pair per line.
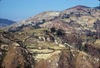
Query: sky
x,y
18,10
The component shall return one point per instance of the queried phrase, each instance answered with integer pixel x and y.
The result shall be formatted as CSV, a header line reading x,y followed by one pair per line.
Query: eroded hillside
x,y
66,39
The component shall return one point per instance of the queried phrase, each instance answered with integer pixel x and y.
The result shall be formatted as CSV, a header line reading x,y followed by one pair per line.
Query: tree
x,y
53,29
60,32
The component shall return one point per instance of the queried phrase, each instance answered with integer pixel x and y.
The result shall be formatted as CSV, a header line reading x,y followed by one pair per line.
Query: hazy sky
x,y
22,9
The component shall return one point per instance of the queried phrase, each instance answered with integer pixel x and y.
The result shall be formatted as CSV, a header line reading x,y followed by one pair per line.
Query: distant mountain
x,y
5,22
98,7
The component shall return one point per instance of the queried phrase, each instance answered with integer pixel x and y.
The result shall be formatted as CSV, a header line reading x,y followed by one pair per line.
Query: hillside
x,y
53,39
